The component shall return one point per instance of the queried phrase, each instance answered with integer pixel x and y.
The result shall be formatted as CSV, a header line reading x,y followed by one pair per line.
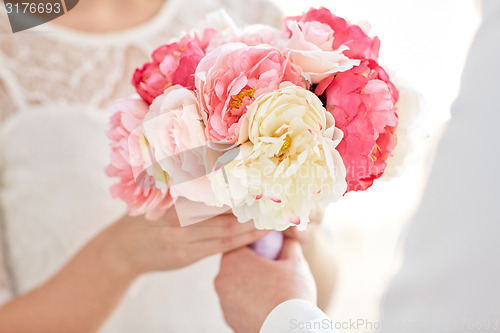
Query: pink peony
x,y
140,185
177,136
172,64
229,78
362,103
360,45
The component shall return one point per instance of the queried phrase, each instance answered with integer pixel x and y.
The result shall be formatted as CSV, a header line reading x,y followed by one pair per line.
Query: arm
x,y
318,251
84,293
250,288
79,298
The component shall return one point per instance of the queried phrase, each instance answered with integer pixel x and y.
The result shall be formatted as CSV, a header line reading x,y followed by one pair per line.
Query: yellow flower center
x,y
285,146
375,150
238,99
147,155
160,174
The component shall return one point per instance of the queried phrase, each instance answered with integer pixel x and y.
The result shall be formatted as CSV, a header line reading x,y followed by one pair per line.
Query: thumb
x,y
242,254
291,249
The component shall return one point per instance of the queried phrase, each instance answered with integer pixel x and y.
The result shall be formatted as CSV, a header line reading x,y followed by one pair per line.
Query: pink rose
x,y
139,184
172,64
174,130
362,102
311,45
360,45
262,34
229,79
252,35
310,35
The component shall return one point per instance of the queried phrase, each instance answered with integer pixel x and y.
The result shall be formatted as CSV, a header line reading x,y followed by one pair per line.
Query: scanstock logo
x,y
25,14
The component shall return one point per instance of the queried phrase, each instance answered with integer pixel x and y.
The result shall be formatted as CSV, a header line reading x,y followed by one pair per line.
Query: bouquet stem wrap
x,y
269,246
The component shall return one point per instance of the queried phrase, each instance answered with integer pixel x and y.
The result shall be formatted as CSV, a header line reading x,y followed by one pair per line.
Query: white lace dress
x,y
55,89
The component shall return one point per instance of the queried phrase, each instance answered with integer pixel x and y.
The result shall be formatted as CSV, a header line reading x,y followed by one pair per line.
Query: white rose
x,y
288,163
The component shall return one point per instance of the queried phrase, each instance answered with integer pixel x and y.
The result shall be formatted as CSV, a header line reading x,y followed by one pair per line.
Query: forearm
x,y
77,299
318,252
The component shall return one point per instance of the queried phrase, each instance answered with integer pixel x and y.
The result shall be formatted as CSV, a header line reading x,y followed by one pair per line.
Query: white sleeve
x,y
297,316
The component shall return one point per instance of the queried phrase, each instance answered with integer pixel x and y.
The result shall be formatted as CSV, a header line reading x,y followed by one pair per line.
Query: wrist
x,y
113,249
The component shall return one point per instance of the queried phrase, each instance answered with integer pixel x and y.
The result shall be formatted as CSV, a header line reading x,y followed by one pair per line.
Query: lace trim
x,y
166,14
87,68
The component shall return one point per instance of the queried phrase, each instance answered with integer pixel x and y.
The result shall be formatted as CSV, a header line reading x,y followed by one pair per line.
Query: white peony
x,y
287,163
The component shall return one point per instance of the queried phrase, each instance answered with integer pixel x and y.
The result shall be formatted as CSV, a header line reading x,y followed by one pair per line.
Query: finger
x,y
303,236
196,235
224,220
233,261
317,214
291,250
237,255
210,218
226,226
293,233
226,244
197,212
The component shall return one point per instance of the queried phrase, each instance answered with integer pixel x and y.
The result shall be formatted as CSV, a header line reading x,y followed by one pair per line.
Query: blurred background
x,y
426,43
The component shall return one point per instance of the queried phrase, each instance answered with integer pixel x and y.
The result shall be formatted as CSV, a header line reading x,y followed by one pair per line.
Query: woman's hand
x,y
164,245
100,274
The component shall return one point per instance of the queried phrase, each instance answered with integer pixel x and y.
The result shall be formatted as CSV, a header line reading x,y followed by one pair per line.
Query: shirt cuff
x,y
298,316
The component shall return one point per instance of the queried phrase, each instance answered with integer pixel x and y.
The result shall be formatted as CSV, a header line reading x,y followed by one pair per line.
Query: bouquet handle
x,y
269,246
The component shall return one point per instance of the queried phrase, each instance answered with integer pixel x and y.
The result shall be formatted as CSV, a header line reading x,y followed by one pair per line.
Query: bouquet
x,y
269,123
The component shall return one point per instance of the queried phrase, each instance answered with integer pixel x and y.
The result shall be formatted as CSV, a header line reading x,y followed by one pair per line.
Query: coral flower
x,y
172,64
362,102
